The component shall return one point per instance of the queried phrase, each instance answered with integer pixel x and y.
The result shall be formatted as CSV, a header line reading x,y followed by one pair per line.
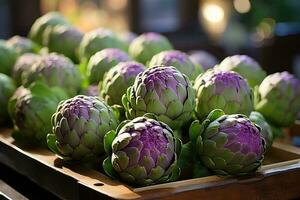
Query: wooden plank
x,y
76,182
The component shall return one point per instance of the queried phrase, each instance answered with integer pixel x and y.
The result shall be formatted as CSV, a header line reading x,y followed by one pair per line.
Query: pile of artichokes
x,y
127,103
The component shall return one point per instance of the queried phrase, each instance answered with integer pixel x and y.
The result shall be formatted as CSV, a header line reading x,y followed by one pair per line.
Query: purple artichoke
x,y
79,125
54,70
204,59
179,60
143,152
102,61
23,64
145,46
228,144
118,79
164,92
225,90
278,98
246,67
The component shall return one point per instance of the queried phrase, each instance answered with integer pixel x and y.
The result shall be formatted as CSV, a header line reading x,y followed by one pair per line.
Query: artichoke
x,y
8,57
278,99
228,144
128,37
225,90
246,67
204,59
145,46
164,92
54,70
79,125
63,39
21,45
7,88
38,28
97,40
23,64
142,152
118,79
179,60
266,130
91,90
31,110
102,61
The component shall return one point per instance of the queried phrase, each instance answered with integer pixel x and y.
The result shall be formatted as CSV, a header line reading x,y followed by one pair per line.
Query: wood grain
x,y
276,178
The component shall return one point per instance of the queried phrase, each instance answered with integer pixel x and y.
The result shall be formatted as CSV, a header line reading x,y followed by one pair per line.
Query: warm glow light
x,y
117,4
242,6
213,13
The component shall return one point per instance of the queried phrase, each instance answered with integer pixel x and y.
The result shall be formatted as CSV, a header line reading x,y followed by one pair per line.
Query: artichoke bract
x,y
21,44
225,90
102,61
204,59
97,40
164,92
266,130
179,60
31,110
54,70
8,58
79,125
142,152
278,98
246,67
7,88
118,79
39,26
145,46
228,144
23,64
63,39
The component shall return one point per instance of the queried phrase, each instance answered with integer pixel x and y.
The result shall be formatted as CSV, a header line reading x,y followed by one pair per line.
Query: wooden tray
x,y
278,178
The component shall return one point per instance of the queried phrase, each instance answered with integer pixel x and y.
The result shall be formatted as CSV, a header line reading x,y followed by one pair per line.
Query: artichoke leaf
x,y
108,139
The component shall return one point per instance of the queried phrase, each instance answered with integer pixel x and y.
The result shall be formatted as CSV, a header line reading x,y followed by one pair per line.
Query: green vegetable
x,y
79,125
142,152
228,144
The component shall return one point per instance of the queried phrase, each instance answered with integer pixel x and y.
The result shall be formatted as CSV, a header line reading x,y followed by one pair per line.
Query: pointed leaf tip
x,y
108,139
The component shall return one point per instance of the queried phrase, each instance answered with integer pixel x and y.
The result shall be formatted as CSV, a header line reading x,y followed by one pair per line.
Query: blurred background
x,y
267,30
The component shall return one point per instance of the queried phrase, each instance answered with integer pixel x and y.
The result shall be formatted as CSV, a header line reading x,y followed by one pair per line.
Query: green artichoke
x,y
102,61
266,130
164,92
79,125
64,40
278,99
31,110
8,58
179,60
22,65
38,28
204,59
225,90
7,88
228,144
145,46
142,152
246,67
22,45
97,40
118,79
54,70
